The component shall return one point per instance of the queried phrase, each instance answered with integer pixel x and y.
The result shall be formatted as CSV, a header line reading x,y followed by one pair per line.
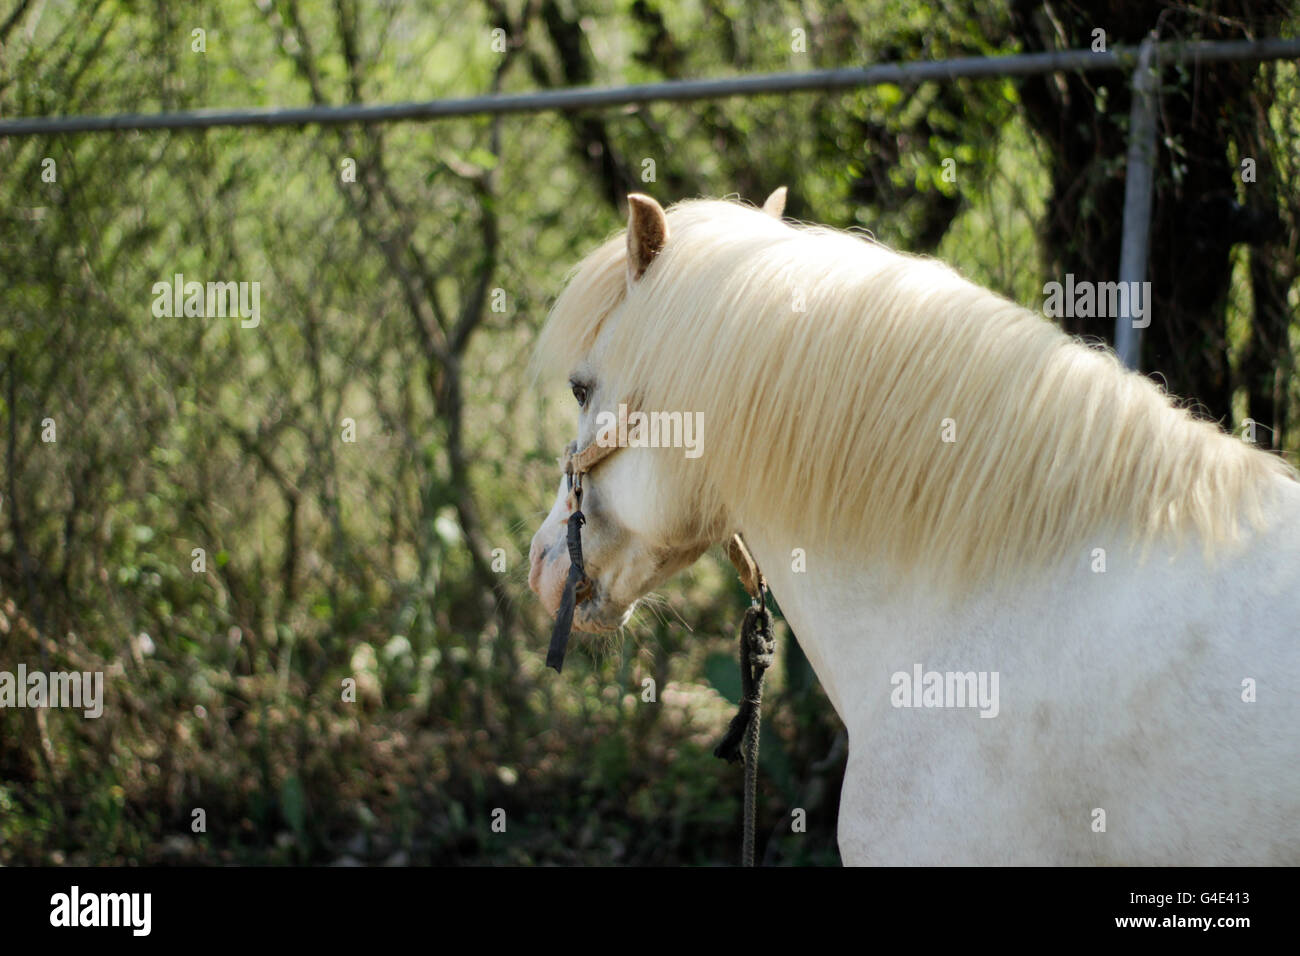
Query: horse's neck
x,y
858,626
846,621
857,630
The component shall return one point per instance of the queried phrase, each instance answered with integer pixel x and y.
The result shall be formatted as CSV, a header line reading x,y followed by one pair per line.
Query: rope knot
x,y
757,654
757,631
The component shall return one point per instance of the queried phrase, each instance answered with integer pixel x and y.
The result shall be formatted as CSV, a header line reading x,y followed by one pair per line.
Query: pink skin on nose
x,y
548,571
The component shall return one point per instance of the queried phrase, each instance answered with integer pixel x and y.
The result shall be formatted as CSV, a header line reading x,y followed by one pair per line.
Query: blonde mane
x,y
825,365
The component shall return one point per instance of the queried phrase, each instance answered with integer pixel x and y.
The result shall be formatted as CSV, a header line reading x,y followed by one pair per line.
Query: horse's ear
x,y
647,231
774,206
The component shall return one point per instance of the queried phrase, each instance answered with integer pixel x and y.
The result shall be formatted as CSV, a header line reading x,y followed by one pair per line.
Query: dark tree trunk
x,y
1196,218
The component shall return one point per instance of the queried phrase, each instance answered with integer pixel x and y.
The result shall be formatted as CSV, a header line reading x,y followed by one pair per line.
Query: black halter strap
x,y
577,577
577,586
757,644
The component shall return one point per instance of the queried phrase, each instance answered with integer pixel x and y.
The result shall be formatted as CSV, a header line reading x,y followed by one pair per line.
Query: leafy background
x,y
373,560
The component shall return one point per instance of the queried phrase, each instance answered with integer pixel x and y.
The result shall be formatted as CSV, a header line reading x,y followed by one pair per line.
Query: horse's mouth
x,y
592,615
590,618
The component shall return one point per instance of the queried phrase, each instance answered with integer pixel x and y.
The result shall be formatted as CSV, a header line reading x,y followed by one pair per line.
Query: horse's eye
x,y
580,393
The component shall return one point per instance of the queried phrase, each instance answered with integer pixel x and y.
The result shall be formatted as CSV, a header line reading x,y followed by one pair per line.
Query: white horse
x,y
1057,614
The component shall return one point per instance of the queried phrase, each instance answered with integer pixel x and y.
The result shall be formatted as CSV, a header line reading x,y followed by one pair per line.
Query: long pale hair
x,y
831,370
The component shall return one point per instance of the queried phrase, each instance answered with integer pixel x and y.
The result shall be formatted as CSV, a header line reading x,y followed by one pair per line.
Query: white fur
x,y
1120,691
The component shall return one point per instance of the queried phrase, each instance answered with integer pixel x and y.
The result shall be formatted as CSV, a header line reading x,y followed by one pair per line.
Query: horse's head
x,y
637,532
633,538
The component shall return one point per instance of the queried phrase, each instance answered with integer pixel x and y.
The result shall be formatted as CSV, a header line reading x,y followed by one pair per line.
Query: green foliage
x,y
324,560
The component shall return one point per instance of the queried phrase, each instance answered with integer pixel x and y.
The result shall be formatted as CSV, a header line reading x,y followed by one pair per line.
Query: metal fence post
x,y
1138,176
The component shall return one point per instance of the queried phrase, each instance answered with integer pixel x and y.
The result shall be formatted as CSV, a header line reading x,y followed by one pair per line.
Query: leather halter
x,y
577,587
757,646
578,463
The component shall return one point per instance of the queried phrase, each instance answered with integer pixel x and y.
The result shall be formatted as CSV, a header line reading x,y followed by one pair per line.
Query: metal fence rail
x,y
584,98
1142,131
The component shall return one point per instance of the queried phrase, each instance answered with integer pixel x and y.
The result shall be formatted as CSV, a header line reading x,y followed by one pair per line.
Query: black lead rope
x,y
757,651
577,574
